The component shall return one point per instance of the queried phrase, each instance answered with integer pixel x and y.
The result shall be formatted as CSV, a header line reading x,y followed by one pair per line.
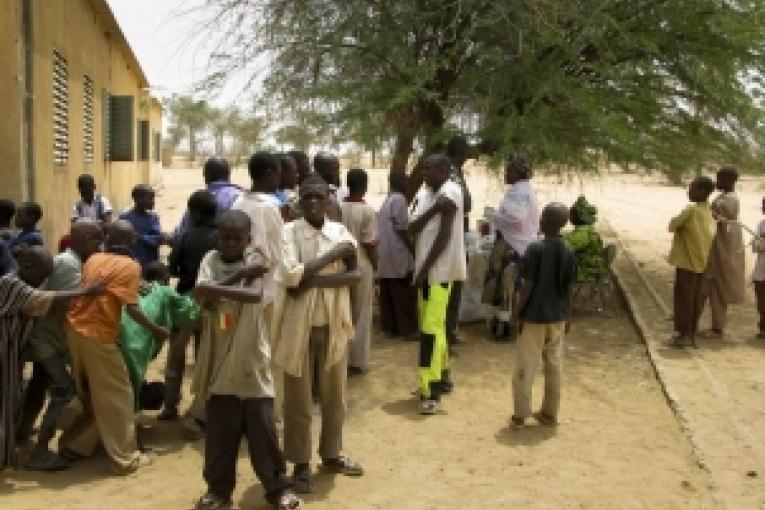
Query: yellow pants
x,y
432,302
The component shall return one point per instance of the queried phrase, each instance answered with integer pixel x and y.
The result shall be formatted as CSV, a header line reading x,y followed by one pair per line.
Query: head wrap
x,y
584,211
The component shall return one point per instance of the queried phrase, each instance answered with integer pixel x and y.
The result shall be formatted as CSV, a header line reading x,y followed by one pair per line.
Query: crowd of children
x,y
276,286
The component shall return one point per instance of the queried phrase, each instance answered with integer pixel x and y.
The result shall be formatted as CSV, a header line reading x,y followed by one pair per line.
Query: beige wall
x,y
11,84
76,30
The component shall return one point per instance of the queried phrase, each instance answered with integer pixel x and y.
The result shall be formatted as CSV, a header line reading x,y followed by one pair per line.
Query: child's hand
x,y
251,272
161,333
95,289
344,249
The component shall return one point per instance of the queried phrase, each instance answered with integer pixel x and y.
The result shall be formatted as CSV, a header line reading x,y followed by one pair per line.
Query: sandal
x,y
288,501
544,419
517,423
343,466
301,479
211,502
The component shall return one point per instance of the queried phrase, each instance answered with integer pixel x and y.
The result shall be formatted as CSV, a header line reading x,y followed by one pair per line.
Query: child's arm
x,y
370,249
205,291
174,260
678,221
137,315
442,205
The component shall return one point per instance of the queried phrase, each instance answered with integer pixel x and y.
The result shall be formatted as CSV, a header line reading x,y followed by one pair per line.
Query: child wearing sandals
x,y
547,271
233,372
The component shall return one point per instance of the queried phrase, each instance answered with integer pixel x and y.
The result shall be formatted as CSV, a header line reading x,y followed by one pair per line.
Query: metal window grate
x,y
88,146
157,146
143,140
122,128
60,109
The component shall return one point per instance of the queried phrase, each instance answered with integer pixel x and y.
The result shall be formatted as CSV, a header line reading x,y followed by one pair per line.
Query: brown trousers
x,y
398,306
298,403
104,391
545,341
688,301
759,295
717,306
230,417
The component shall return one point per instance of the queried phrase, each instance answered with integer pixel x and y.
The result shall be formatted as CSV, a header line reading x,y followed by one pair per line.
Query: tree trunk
x,y
219,145
402,150
192,145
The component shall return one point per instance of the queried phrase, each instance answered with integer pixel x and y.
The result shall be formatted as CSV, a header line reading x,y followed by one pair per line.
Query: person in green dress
x,y
586,242
163,306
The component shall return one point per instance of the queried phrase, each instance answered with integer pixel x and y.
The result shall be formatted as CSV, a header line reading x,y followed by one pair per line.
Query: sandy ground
x,y
618,446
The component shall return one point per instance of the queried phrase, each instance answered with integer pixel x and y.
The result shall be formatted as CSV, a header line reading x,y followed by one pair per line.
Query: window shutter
x,y
106,123
88,147
60,109
121,128
157,147
143,140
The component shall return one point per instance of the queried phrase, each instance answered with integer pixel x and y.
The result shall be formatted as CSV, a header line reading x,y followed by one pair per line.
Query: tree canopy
x,y
672,85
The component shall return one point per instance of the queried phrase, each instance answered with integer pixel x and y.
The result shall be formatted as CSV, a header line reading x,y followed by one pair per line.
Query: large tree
x,y
192,114
666,84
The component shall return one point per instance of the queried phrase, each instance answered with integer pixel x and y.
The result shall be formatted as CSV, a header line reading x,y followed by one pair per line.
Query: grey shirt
x,y
394,260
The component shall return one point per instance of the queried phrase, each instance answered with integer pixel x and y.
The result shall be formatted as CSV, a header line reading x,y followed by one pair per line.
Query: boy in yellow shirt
x,y
693,232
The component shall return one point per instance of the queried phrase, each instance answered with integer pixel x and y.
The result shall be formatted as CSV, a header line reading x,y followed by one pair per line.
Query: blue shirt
x,y
225,194
146,249
281,196
29,237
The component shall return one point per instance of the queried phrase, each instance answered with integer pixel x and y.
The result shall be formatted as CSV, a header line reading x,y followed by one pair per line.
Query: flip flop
x,y
288,501
343,466
211,502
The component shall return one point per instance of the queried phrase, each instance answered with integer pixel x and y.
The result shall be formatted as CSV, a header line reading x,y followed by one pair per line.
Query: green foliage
x,y
672,85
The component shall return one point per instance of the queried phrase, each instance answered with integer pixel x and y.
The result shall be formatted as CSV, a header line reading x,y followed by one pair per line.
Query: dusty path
x,y
619,445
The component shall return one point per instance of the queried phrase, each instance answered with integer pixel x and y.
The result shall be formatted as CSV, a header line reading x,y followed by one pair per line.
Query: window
x,y
87,118
121,128
60,109
157,147
143,140
106,121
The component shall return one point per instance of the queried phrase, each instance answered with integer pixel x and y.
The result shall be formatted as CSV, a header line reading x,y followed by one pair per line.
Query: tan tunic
x,y
726,265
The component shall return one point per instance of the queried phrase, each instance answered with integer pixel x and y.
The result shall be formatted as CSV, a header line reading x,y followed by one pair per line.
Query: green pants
x,y
432,302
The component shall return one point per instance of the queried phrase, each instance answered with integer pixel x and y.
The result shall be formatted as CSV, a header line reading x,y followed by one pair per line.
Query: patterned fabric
x,y
14,330
588,253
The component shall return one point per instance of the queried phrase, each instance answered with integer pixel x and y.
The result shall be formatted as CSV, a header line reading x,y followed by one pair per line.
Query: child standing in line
x,y
758,275
586,242
91,204
547,272
361,221
724,278
233,371
316,268
185,258
693,231
146,224
28,215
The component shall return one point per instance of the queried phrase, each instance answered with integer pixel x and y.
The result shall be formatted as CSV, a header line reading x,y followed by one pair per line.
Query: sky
x,y
161,33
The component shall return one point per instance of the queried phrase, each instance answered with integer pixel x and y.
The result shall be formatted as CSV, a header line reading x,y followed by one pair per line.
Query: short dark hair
x,y
234,218
356,179
729,171
284,158
314,179
142,189
84,179
216,169
438,160
521,165
33,208
456,145
7,209
398,180
155,272
301,159
705,184
203,202
260,163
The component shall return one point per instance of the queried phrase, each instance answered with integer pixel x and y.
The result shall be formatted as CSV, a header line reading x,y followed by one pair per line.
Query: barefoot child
x,y
724,278
233,371
547,271
758,276
314,327
439,262
361,221
693,231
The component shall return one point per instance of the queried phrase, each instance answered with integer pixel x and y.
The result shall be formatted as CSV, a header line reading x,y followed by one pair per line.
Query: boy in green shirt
x,y
693,232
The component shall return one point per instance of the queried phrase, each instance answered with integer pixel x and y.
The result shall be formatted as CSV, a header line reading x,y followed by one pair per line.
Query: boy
x,y
105,397
693,231
395,262
91,204
724,278
439,262
7,212
303,164
47,347
585,241
361,221
287,185
317,267
163,306
146,225
185,257
547,272
28,215
758,275
19,302
233,371
327,166
266,241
